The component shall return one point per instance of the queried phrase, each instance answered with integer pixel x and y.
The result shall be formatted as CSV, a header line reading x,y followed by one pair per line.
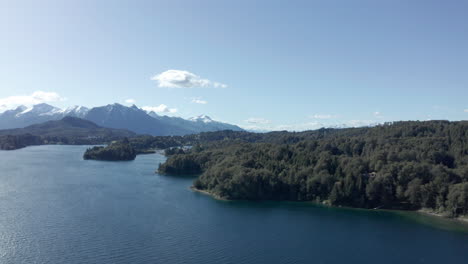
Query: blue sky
x,y
285,64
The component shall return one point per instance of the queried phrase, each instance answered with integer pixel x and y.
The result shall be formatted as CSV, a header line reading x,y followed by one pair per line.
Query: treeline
x,y
12,142
408,165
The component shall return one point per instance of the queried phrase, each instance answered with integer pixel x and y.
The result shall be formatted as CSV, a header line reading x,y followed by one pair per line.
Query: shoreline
x,y
212,195
463,220
428,212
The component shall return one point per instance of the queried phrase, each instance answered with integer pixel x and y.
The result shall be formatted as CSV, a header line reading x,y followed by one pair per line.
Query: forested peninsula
x,y
401,165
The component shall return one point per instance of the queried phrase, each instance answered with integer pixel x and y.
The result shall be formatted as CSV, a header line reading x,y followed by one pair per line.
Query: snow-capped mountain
x,y
201,123
39,110
133,119
201,118
76,111
24,116
113,116
206,123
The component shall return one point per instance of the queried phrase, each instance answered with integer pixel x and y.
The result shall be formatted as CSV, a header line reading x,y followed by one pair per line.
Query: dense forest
x,y
407,165
12,142
116,151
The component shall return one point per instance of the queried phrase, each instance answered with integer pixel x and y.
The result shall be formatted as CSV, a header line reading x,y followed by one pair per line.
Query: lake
x,y
56,207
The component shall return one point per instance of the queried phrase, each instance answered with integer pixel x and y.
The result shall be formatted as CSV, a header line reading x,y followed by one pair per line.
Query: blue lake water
x,y
56,207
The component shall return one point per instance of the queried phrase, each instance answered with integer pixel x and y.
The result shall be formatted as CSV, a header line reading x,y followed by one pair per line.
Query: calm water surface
x,y
57,208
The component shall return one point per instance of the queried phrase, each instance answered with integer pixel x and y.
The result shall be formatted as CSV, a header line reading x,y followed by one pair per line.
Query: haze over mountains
x,y
114,116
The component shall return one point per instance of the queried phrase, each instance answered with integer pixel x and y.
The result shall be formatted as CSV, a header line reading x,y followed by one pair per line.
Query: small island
x,y
116,151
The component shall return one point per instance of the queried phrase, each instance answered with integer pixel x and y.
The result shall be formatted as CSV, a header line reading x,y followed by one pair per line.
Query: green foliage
x,y
114,152
12,142
173,151
408,165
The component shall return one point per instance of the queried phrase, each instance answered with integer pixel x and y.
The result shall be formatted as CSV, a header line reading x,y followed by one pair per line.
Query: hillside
x,y
69,130
406,165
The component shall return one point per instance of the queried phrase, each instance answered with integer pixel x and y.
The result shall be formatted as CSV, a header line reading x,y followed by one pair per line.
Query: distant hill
x,y
114,116
69,130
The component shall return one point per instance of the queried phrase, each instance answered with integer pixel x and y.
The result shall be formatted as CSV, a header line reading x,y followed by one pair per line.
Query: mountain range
x,y
114,116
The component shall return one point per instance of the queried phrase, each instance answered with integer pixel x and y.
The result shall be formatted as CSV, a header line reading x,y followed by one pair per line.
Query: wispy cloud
x,y
257,120
183,79
199,101
162,108
258,125
36,97
323,116
466,110
377,114
300,126
130,101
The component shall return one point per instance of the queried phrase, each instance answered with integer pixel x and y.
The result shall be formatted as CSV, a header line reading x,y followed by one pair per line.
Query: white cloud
x,y
256,120
199,101
162,108
37,97
466,110
360,123
320,116
183,79
130,101
289,127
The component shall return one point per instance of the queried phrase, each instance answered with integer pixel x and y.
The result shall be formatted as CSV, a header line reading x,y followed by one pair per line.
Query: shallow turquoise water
x,y
57,208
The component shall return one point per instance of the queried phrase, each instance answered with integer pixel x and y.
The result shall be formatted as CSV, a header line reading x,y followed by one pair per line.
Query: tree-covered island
x,y
116,151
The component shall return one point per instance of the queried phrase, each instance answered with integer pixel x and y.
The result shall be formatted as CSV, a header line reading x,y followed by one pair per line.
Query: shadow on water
x,y
409,217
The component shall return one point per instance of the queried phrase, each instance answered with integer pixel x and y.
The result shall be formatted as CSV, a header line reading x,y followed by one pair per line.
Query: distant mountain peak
x,y
201,118
76,111
38,109
21,108
120,107
73,108
153,114
43,107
